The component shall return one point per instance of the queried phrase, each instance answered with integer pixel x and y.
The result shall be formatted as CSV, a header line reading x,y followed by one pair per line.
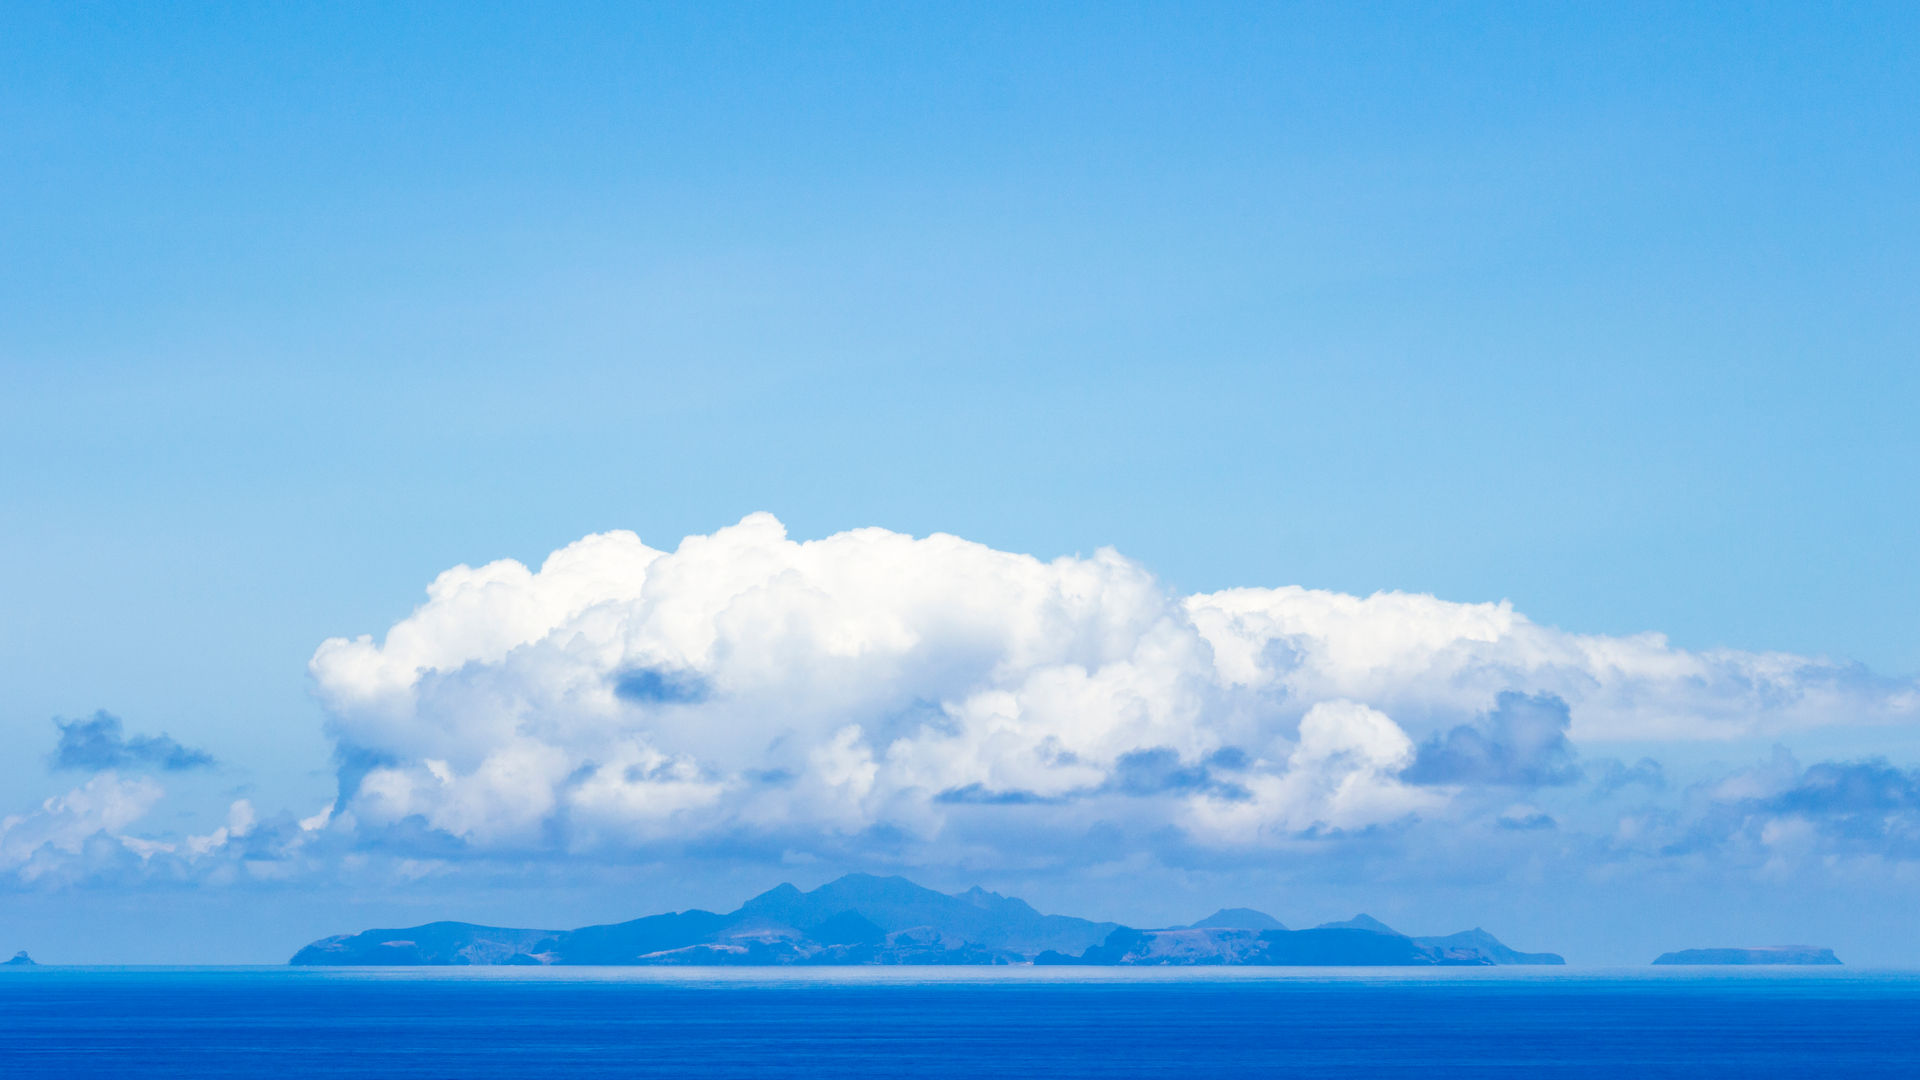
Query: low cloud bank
x,y
871,687
873,700
1779,815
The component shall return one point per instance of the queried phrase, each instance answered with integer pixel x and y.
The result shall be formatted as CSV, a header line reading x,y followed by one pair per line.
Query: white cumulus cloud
x,y
748,684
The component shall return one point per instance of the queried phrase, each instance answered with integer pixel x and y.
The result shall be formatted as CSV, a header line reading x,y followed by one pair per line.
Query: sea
x,y
943,1022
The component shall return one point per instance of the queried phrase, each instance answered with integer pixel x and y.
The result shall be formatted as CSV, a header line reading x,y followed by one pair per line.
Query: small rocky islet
x,y
1761,954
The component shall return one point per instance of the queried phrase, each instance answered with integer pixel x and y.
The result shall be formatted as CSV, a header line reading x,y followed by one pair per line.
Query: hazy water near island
x,y
1055,1022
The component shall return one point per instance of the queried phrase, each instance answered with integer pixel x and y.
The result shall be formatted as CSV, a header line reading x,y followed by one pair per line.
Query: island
x,y
20,959
1241,936
1765,954
864,919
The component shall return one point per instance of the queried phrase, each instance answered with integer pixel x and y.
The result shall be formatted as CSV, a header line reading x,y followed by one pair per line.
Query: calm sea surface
x,y
516,1022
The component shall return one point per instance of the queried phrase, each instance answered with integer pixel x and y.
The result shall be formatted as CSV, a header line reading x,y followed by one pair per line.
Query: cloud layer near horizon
x,y
875,688
873,700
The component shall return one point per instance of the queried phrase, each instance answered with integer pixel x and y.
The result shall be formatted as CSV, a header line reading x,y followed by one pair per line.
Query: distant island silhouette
x,y
863,919
20,959
1765,954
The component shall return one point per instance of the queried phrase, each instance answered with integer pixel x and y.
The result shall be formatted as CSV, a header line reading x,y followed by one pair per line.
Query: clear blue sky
x,y
1604,309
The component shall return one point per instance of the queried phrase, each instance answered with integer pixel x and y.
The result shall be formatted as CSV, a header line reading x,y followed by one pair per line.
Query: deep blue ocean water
x,y
79,1022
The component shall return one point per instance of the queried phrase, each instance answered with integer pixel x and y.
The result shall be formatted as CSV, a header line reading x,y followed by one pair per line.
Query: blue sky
x,y
1605,312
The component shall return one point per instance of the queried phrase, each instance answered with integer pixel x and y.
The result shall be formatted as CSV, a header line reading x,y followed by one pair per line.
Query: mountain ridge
x,y
867,919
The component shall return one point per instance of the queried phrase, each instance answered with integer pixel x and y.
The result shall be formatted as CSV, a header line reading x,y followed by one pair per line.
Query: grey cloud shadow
x,y
659,686
1522,742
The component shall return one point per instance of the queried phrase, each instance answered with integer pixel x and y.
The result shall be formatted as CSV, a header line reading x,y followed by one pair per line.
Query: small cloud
x,y
1526,819
1616,775
317,821
99,742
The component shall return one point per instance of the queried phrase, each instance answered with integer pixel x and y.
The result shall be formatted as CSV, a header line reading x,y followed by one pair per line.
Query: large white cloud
x,y
748,684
